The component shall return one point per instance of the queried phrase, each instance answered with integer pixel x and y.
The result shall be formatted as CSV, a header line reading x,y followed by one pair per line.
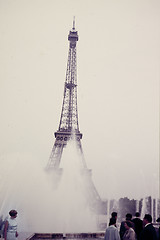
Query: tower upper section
x,y
73,36
69,114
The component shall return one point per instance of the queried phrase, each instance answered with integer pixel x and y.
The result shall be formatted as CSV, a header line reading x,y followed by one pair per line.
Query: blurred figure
x,y
138,224
129,233
158,231
1,226
10,228
112,232
148,232
114,215
122,227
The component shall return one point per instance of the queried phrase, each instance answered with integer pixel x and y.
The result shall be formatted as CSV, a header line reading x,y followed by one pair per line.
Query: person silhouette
x,y
122,227
148,232
10,228
138,224
129,233
112,231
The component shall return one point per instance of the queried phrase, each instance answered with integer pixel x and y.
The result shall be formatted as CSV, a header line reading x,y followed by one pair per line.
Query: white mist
x,y
26,187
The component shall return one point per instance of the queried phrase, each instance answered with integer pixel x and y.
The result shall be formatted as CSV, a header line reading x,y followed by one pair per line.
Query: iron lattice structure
x,y
69,126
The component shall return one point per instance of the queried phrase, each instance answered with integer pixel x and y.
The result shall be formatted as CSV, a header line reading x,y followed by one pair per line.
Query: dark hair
x,y
137,214
128,216
13,213
112,221
129,224
158,219
148,217
114,214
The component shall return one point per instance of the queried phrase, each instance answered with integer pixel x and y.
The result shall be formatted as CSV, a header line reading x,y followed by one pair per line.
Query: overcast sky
x,y
118,60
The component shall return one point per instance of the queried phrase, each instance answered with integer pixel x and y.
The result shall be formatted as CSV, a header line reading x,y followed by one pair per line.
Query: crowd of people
x,y
132,228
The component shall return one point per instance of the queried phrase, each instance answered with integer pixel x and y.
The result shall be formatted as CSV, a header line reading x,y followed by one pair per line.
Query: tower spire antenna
x,y
74,23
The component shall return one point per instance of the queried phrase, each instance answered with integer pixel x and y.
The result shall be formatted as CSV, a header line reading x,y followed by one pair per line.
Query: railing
x,y
96,235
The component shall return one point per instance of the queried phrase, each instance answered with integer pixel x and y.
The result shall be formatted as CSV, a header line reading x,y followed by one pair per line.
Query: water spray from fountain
x,y
28,189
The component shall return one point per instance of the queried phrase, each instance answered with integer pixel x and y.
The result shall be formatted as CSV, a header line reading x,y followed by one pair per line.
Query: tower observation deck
x,y
69,126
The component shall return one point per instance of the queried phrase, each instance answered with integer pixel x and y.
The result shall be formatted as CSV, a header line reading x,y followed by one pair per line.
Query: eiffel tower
x,y
69,127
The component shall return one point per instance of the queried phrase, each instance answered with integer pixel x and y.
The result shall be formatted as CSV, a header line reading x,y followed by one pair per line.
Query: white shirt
x,y
12,225
112,233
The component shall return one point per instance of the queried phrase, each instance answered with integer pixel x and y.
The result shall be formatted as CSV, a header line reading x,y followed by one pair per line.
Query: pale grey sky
x,y
118,59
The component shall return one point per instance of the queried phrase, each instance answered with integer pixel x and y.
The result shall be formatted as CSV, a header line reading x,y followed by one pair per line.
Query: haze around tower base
x,y
42,208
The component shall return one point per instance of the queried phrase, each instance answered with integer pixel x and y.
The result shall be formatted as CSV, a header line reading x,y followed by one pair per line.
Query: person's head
x,y
13,213
114,215
112,221
128,216
158,220
147,219
137,214
127,224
